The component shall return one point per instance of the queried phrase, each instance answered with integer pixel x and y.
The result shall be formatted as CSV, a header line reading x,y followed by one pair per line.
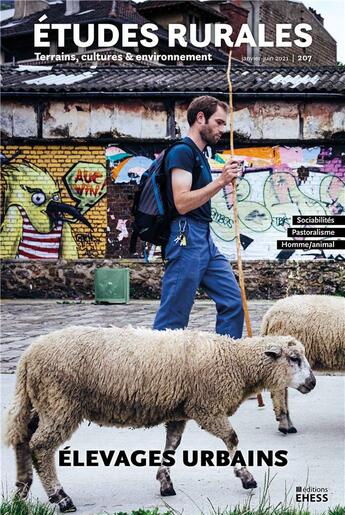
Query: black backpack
x,y
151,212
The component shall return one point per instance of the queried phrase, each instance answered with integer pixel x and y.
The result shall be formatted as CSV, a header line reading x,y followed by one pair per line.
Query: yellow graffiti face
x,y
32,189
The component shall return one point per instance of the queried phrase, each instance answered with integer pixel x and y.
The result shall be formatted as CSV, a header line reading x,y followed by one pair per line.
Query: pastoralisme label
x,y
314,232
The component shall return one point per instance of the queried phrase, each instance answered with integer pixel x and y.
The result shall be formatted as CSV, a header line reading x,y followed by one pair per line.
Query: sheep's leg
x,y
280,406
278,400
45,441
24,461
24,469
291,427
173,439
44,464
221,427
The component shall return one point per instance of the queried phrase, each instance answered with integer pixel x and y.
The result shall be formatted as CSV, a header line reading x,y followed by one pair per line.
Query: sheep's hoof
x,y
248,485
23,489
67,506
168,491
292,429
283,430
65,503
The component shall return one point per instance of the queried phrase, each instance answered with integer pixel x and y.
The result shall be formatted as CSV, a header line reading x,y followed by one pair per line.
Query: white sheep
x,y
140,378
318,321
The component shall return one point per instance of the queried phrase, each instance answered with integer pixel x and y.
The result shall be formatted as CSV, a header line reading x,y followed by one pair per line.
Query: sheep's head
x,y
287,354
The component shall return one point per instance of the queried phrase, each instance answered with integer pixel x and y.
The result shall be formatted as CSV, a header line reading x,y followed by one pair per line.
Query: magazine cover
x,y
172,257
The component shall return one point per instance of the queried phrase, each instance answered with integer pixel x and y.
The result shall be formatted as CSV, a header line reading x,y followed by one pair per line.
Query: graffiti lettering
x,y
282,221
88,244
86,183
86,189
309,181
221,219
87,176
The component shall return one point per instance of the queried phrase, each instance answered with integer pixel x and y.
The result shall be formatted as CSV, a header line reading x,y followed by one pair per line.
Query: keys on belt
x,y
181,237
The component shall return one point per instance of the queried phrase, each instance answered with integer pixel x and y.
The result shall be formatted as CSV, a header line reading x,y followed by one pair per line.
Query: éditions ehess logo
x,y
311,494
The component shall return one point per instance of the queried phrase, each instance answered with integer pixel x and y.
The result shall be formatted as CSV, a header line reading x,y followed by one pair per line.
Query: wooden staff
x,y
236,220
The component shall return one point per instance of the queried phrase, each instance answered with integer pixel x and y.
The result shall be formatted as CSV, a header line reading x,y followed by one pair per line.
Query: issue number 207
x,y
306,58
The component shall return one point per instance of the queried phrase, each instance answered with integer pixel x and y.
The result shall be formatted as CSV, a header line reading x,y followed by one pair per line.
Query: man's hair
x,y
205,104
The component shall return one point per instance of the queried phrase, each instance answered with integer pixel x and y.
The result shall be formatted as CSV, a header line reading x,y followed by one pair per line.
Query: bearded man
x,y
192,259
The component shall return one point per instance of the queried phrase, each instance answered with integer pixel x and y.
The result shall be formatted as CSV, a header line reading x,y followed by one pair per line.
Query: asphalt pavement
x,y
315,454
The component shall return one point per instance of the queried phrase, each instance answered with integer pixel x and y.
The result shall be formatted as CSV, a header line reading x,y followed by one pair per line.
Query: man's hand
x,y
230,172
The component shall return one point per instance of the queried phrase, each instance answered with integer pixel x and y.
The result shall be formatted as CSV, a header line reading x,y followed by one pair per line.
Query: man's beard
x,y
207,136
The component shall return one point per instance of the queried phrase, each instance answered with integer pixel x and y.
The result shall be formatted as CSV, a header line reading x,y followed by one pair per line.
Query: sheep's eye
x,y
294,359
56,197
38,198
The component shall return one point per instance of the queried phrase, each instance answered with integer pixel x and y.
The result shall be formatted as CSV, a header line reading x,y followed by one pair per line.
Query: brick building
x,y
199,13
323,50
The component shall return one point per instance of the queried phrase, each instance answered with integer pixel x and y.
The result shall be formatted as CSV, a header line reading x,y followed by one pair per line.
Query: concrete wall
x,y
146,119
279,120
65,120
66,150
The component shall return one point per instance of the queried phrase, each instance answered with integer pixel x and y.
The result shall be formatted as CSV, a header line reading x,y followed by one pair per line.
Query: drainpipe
x,y
24,8
72,7
255,26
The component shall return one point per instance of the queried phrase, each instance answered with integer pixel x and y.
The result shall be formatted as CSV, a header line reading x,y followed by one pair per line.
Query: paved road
x,y
315,454
316,457
23,320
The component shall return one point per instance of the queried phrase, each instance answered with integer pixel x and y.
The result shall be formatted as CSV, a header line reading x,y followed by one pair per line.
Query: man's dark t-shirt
x,y
183,157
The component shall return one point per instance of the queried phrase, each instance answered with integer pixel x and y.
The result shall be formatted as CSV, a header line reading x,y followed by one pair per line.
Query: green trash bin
x,y
112,285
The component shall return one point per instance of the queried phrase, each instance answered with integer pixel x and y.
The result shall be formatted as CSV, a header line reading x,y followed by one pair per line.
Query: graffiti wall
x,y
277,183
54,203
125,166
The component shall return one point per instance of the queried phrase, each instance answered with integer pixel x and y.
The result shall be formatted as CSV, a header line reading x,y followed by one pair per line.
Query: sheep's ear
x,y
274,352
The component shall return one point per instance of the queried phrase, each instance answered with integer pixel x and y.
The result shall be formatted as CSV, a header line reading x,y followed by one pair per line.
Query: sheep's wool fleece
x,y
318,321
139,377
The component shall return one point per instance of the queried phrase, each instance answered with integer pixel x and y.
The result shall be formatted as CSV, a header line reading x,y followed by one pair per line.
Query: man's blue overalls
x,y
193,260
